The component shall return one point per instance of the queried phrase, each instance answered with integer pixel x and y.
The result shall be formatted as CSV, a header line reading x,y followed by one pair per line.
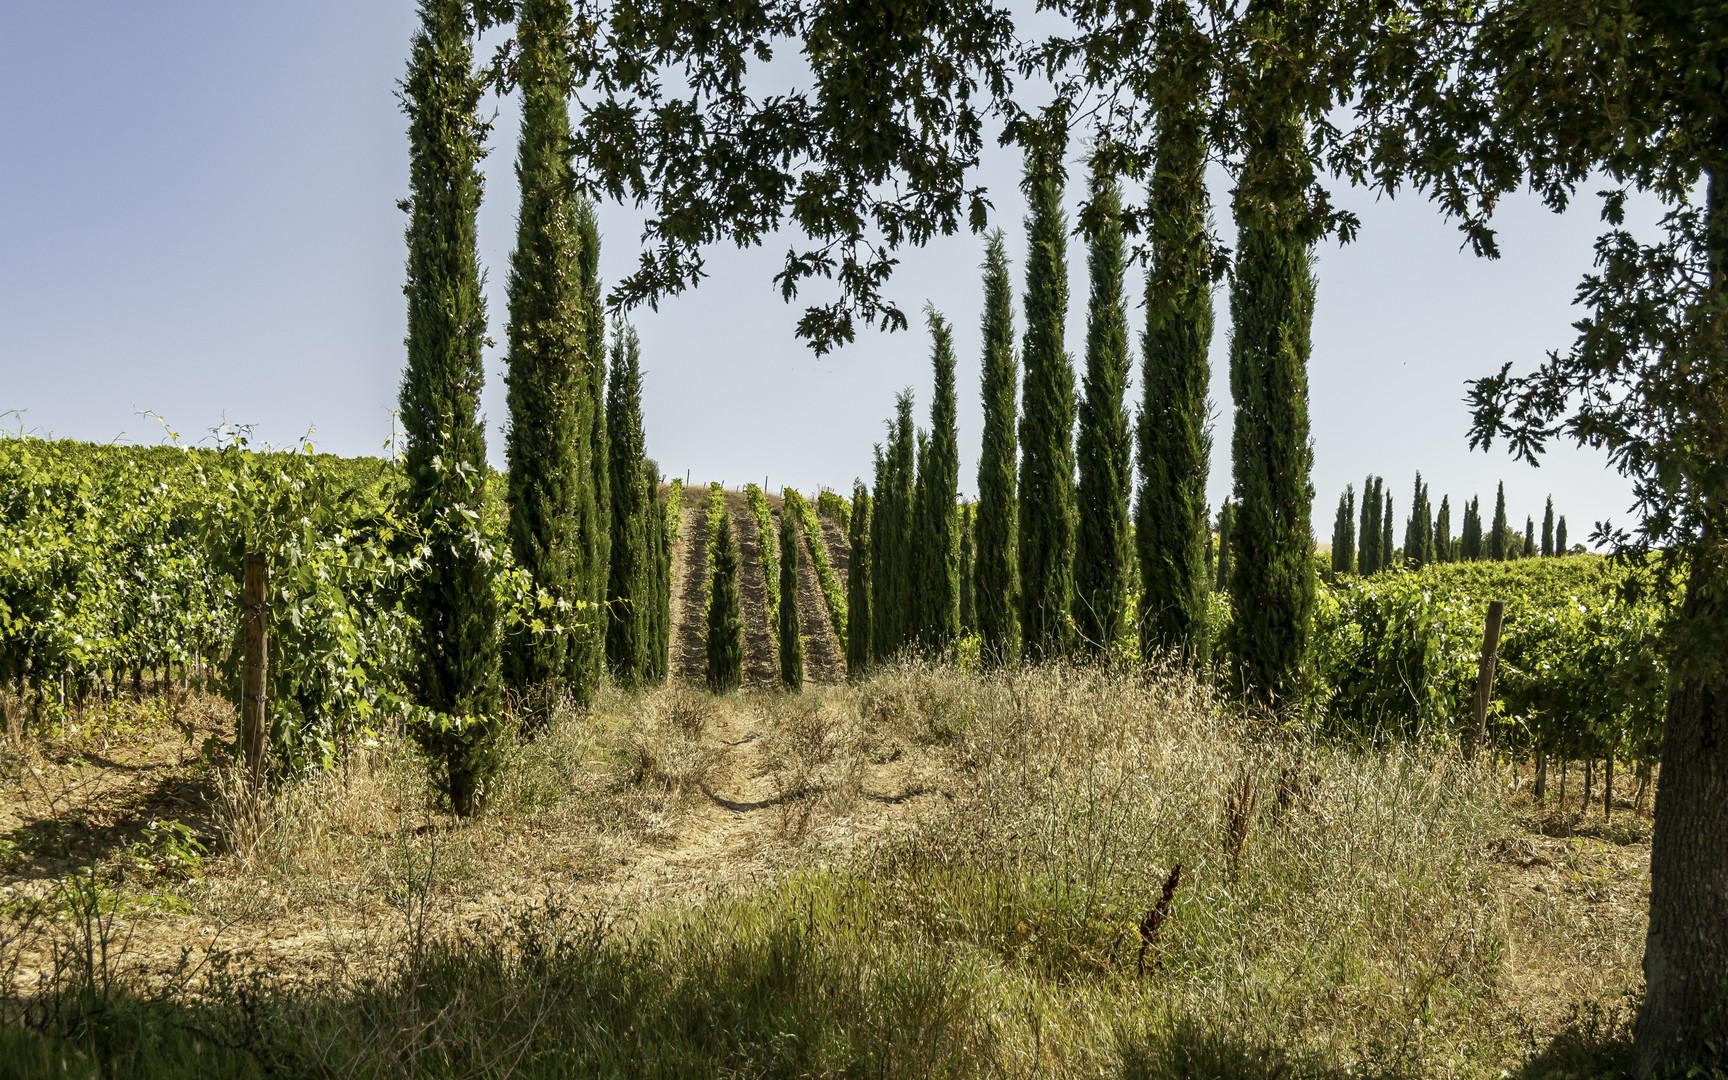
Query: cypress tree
x,y
1212,555
1272,587
997,569
968,608
547,361
1344,533
1388,554
1497,547
632,592
595,517
1443,531
1226,521
1419,530
456,674
1368,548
1172,532
891,538
1046,541
1548,529
1529,548
935,545
789,639
1560,547
1470,542
858,587
660,651
1101,555
725,640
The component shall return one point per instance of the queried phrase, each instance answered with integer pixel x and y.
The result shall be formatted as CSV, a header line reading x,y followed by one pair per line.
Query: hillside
x,y
824,659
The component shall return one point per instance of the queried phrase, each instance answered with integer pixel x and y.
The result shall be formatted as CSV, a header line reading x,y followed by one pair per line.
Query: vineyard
x,y
123,628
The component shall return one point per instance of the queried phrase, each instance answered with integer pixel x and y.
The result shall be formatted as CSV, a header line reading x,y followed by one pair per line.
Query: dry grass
x,y
931,873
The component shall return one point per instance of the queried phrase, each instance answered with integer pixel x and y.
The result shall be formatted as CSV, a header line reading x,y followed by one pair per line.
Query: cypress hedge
x,y
1388,554
1498,549
632,592
968,608
891,538
725,639
789,638
1046,539
546,363
595,516
457,674
935,548
1344,533
660,647
1172,533
1470,540
859,638
997,569
1101,553
1368,547
1419,530
1226,522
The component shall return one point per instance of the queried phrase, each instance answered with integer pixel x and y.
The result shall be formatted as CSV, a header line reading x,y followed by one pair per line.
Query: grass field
x,y
928,874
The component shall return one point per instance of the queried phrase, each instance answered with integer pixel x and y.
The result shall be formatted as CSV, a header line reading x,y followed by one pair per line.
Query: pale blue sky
x,y
198,218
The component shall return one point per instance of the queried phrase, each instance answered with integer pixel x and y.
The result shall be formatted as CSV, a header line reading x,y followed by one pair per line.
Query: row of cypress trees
x,y
583,519
1050,552
1428,532
1049,556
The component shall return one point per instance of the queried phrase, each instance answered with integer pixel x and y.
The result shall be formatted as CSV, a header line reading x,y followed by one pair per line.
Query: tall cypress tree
x,y
1171,527
1101,555
1419,530
1272,589
968,608
1529,546
1388,554
547,361
1226,521
789,638
1497,547
1368,559
1344,533
997,571
1470,541
1443,531
1560,536
595,517
1046,546
725,639
457,671
858,587
1548,529
632,592
891,538
660,651
935,546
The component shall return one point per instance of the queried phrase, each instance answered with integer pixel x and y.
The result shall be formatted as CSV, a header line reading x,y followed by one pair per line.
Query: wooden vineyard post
x,y
257,616
1485,676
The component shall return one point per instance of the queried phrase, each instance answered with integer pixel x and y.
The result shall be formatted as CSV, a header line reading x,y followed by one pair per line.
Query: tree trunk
x,y
252,679
1686,950
1541,777
1608,788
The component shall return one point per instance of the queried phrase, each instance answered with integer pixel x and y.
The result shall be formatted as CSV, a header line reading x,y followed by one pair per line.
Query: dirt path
x,y
839,549
824,660
689,661
761,656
